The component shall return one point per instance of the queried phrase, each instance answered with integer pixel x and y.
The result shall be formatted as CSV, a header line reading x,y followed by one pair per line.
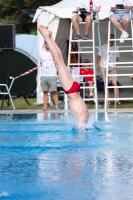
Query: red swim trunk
x,y
75,88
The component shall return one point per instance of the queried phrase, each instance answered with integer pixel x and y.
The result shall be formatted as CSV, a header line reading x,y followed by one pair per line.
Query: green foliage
x,y
22,25
33,31
35,4
20,103
8,7
23,22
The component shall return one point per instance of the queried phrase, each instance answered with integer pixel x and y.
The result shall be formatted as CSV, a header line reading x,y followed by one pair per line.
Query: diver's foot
x,y
44,31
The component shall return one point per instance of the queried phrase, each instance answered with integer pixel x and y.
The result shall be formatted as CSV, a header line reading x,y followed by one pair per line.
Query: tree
x,y
8,7
10,13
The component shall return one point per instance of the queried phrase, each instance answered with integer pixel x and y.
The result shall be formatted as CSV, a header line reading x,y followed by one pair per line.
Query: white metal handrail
x,y
121,86
121,98
119,39
90,40
79,52
120,74
118,66
81,64
115,51
85,52
121,63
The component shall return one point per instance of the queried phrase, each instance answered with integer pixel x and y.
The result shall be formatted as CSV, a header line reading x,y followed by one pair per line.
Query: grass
x,y
20,103
124,104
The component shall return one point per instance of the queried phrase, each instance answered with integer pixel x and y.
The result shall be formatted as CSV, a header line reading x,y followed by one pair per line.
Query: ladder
x,y
85,48
120,65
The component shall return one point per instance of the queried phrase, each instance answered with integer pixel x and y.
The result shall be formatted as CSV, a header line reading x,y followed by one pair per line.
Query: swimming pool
x,y
43,158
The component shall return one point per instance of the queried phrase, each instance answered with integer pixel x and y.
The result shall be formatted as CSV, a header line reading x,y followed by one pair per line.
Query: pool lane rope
x,y
25,73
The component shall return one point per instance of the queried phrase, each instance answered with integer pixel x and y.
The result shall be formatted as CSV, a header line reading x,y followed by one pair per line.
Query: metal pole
x,y
106,78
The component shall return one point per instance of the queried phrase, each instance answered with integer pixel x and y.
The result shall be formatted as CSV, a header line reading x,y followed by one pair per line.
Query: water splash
x,y
4,194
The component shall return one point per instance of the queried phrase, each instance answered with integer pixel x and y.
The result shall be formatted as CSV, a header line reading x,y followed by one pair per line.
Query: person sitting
x,y
70,86
84,17
124,17
89,79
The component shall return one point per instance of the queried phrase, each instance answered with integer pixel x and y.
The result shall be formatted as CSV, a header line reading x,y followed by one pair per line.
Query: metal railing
x,y
79,64
123,64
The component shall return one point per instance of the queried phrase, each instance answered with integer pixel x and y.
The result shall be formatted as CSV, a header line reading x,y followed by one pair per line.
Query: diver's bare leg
x,y
63,73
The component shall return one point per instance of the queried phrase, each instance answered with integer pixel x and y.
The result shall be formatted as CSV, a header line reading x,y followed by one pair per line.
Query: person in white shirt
x,y
86,17
124,17
48,76
102,63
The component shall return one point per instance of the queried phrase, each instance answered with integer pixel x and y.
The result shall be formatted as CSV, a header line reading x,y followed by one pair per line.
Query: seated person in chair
x,y
89,79
84,17
125,18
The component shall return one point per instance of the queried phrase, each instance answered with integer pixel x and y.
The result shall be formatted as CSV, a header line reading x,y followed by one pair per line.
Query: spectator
x,y
113,57
48,77
124,17
88,79
85,17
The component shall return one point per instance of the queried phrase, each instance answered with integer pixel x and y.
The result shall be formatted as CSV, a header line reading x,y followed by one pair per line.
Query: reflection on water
x,y
47,116
42,158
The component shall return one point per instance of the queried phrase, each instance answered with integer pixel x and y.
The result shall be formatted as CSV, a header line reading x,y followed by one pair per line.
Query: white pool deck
x,y
34,111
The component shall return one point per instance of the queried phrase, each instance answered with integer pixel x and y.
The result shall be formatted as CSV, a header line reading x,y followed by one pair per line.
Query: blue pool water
x,y
41,157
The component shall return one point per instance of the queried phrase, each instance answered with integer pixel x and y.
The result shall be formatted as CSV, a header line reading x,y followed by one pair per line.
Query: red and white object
x,y
25,73
91,5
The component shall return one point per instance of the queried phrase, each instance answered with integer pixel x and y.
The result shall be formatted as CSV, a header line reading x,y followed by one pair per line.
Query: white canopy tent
x,y
57,19
30,49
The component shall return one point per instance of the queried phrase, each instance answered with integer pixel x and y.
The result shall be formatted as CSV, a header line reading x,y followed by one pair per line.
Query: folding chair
x,y
7,91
